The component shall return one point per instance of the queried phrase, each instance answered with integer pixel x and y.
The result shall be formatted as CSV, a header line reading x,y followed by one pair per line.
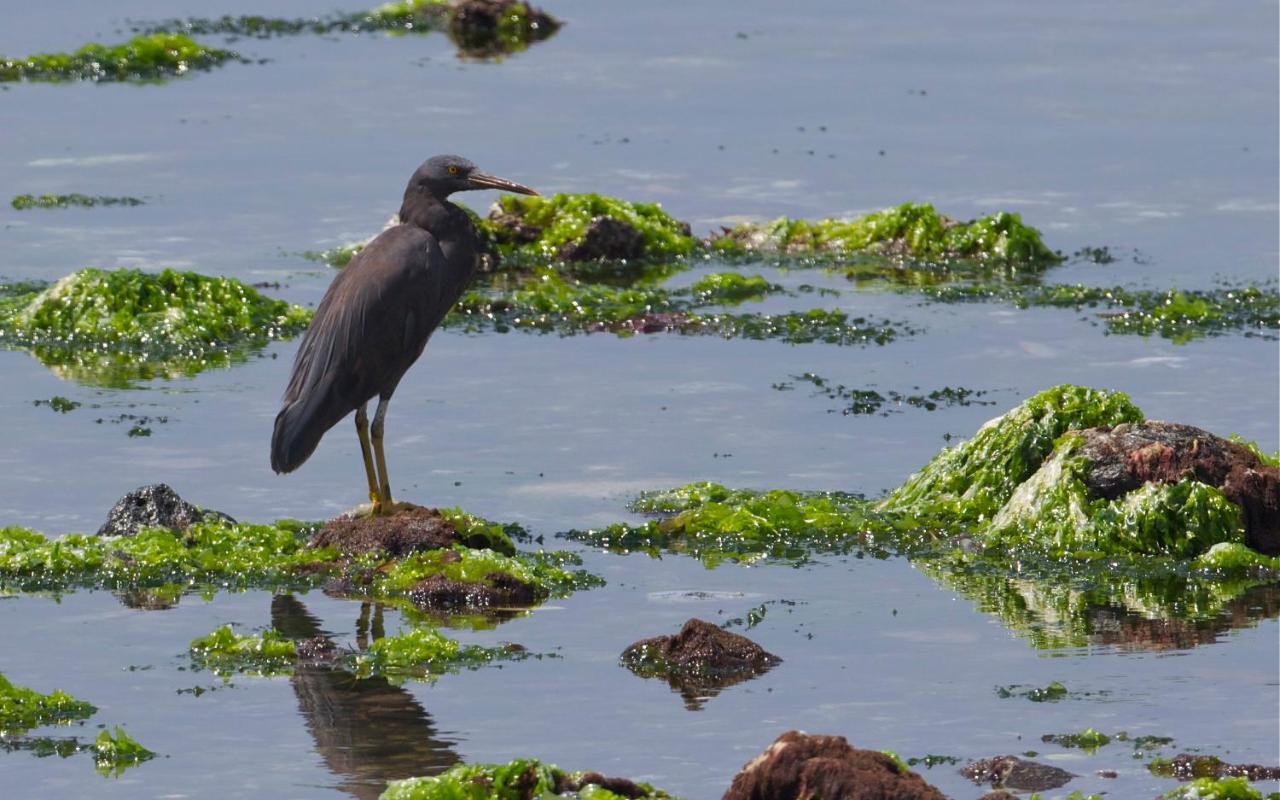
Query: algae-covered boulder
x,y
521,779
110,326
912,230
488,28
146,57
155,506
800,765
969,483
585,227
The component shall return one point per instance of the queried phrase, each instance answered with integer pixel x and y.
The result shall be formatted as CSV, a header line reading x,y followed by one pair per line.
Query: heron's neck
x,y
434,214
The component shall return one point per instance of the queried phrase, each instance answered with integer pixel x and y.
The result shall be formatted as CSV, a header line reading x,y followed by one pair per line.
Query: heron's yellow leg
x,y
362,431
384,504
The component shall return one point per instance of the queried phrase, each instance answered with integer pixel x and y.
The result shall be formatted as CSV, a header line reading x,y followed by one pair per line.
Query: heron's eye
x,y
453,170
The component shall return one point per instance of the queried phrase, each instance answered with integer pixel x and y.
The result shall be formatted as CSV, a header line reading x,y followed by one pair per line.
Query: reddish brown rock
x,y
499,589
1125,457
699,661
798,766
409,530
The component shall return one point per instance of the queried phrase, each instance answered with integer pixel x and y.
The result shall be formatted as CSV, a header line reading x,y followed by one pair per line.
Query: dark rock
x,y
1125,457
798,765
155,506
499,589
605,238
1185,767
406,531
700,660
1011,772
1108,773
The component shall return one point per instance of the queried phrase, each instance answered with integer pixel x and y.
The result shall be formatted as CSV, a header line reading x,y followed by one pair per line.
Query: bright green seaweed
x,y
224,652
1218,789
142,58
22,709
421,653
911,230
111,327
115,751
521,779
541,230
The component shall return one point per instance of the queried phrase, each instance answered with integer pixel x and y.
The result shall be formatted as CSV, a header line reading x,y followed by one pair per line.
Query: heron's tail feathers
x,y
296,436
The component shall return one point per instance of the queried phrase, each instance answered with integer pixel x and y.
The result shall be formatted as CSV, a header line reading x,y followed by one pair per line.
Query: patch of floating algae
x,y
142,58
24,202
211,553
421,653
225,652
113,326
520,779
115,751
22,709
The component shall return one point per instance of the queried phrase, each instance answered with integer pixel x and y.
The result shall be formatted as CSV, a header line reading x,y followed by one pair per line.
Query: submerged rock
x,y
155,506
799,765
495,590
486,28
700,660
1124,458
1011,772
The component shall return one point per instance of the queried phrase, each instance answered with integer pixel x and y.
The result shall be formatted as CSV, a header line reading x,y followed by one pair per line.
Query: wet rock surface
x,y
1186,766
605,238
1011,772
1123,458
155,506
398,534
498,590
700,660
798,765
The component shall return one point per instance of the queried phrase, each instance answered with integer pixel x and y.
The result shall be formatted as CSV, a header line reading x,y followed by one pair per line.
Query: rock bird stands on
x,y
377,316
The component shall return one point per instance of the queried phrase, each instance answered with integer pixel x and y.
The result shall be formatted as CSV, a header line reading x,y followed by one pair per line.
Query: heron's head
x,y
441,176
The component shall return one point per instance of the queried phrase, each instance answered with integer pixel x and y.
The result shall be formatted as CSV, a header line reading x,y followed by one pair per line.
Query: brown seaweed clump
x,y
699,661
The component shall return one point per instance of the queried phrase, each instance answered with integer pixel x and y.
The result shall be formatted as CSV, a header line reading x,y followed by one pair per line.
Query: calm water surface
x,y
1150,128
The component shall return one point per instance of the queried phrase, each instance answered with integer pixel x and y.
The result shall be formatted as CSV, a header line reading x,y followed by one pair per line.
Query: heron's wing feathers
x,y
363,337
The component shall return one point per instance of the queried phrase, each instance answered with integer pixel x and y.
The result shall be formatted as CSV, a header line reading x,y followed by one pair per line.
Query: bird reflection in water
x,y
367,731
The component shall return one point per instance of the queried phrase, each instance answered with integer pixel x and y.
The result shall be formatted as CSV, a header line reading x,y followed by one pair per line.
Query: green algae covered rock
x,y
521,779
142,58
911,230
584,227
224,651
22,709
218,553
971,482
112,326
421,653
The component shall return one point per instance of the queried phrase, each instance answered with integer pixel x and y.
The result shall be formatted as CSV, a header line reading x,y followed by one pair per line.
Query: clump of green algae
x,y
516,780
1218,789
144,57
24,202
539,229
870,401
422,653
911,230
115,751
22,709
112,325
224,652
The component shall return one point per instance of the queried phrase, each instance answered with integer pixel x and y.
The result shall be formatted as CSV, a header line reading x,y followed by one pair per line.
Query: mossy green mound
x,y
144,57
971,482
1219,789
516,780
225,652
115,751
112,326
27,201
22,709
421,653
542,230
214,553
911,230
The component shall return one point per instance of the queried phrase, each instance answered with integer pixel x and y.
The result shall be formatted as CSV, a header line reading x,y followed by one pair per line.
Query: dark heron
x,y
377,316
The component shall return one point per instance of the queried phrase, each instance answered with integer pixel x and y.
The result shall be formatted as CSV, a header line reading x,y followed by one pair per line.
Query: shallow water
x,y
1145,128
